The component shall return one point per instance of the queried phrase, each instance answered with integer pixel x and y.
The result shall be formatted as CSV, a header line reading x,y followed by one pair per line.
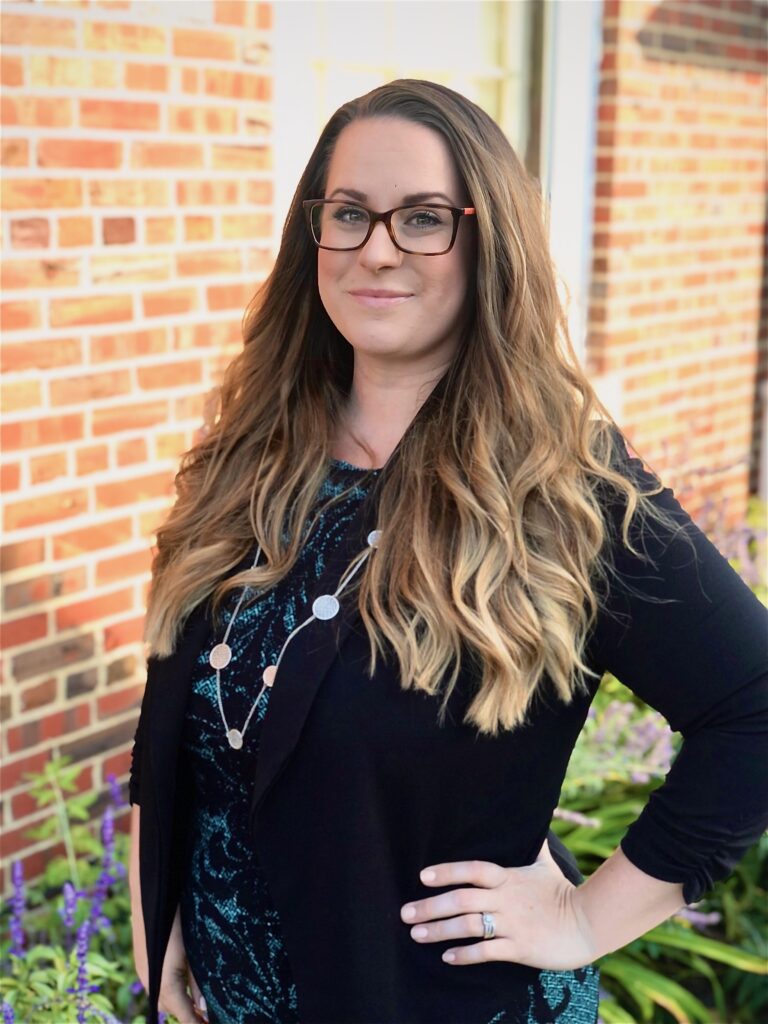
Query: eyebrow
x,y
414,197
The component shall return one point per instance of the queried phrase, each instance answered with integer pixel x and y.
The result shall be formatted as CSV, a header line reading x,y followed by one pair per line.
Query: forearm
x,y
137,914
620,902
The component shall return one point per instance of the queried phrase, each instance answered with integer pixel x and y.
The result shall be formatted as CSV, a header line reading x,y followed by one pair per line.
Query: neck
x,y
381,405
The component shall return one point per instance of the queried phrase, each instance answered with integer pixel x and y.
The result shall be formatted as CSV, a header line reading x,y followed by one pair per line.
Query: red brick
x,y
35,30
10,477
255,157
114,703
120,634
200,192
19,316
52,726
75,231
36,112
83,153
131,451
96,309
43,588
49,71
22,554
46,430
41,355
202,264
13,770
133,490
18,274
128,345
136,192
160,230
119,230
43,468
44,659
29,232
204,44
123,567
14,153
240,85
170,375
206,120
92,459
41,193
169,302
124,38
264,15
45,509
119,115
100,536
228,296
20,395
87,387
199,229
23,631
167,155
152,77
11,71
128,417
100,607
254,225
38,695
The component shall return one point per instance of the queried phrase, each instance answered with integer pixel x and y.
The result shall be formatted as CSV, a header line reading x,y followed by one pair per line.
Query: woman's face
x,y
381,162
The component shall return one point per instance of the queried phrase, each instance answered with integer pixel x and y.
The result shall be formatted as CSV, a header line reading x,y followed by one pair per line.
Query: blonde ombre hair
x,y
496,535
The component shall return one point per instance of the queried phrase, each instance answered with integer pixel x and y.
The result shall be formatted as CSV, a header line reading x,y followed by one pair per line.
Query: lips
x,y
379,297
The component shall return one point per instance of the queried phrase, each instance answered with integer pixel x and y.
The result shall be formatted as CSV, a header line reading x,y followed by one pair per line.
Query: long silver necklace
x,y
326,606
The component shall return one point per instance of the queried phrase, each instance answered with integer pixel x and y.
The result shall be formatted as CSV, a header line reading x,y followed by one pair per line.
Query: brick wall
x,y
678,302
136,225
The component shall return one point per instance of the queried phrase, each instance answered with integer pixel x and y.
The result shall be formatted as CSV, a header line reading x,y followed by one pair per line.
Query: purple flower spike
x,y
9,1017
115,791
18,906
107,876
83,986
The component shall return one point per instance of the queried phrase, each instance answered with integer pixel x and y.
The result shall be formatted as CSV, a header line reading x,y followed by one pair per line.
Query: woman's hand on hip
x,y
173,996
537,920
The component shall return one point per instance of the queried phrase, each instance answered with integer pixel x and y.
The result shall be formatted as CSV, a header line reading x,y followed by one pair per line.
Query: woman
x,y
398,565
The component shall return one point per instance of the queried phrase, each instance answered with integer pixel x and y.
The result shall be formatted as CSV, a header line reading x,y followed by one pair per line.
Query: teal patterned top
x,y
230,927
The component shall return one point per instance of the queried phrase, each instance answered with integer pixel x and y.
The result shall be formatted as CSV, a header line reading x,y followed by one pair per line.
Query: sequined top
x,y
230,926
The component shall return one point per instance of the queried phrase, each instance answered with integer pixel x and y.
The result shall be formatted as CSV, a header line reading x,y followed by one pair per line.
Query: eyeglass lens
x,y
417,228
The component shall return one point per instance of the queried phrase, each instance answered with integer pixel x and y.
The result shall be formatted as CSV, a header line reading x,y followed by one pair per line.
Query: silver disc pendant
x,y
235,738
220,656
325,606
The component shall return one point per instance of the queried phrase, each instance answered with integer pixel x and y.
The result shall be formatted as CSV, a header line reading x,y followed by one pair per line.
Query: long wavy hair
x,y
495,546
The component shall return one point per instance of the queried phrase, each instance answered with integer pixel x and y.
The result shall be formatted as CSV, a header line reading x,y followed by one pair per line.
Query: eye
x,y
350,215
425,218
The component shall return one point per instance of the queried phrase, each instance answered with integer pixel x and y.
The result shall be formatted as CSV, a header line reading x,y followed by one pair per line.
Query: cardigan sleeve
x,y
689,637
134,779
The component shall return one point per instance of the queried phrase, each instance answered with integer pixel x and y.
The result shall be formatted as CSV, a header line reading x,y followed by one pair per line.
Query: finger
x,y
197,996
458,872
449,904
174,999
464,927
478,952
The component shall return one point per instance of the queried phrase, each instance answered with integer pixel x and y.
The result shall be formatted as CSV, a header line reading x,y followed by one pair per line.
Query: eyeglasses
x,y
426,230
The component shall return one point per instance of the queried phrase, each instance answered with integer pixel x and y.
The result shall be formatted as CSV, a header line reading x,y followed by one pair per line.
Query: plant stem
x,y
61,810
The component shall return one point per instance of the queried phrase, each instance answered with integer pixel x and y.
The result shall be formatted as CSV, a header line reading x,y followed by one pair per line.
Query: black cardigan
x,y
357,787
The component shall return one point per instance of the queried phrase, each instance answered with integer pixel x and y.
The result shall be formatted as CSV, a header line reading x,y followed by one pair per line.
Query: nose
x,y
380,250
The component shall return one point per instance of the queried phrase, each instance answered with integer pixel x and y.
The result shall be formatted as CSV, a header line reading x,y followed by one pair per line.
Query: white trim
x,y
572,48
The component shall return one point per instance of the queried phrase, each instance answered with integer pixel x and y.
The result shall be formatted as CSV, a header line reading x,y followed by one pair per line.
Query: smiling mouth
x,y
380,301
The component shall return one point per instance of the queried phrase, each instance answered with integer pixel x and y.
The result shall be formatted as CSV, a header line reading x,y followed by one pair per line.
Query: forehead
x,y
387,158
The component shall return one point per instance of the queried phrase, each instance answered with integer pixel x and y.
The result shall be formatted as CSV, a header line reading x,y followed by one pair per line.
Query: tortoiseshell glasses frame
x,y
386,216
